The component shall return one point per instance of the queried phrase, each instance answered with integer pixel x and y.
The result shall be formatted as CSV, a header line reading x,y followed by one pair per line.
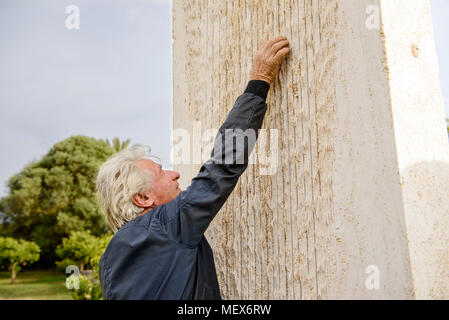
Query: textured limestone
x,y
363,157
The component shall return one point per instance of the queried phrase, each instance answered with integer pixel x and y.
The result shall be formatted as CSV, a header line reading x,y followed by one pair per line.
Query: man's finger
x,y
282,53
279,45
272,41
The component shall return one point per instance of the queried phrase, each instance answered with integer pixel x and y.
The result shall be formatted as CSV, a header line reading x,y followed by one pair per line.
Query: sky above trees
x,y
112,77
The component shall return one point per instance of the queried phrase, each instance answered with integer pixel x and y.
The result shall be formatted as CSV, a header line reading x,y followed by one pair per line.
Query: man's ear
x,y
142,200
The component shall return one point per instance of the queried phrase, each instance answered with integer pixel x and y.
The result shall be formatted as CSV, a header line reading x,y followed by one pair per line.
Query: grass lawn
x,y
34,285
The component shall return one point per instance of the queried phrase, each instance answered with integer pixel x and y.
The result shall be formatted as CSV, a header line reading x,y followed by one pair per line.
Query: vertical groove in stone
x,y
315,44
314,139
311,122
302,260
284,166
289,106
305,221
276,276
291,144
271,238
275,180
241,208
206,121
219,103
240,15
250,200
229,56
259,186
293,137
267,212
255,205
223,108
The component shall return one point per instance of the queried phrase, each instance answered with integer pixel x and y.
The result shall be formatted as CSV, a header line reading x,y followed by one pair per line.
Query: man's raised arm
x,y
187,217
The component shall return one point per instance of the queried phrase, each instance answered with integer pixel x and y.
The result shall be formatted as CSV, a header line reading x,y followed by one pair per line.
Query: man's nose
x,y
175,175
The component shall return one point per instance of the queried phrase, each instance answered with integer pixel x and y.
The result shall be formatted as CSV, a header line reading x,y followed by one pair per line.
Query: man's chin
x,y
177,192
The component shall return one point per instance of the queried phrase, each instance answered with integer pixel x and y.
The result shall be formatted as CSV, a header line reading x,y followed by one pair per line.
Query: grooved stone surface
x,y
334,190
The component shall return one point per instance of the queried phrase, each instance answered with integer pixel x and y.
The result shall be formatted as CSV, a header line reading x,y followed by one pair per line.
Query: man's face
x,y
165,184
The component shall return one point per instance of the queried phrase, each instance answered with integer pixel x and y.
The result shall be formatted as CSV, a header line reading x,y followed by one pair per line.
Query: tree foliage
x,y
118,145
15,253
80,248
52,197
84,250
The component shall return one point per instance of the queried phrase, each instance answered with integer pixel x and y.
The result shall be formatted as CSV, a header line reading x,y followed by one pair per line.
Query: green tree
x,y
83,249
117,145
51,197
80,248
15,253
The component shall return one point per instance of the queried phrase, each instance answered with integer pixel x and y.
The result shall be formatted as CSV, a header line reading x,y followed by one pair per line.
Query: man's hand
x,y
269,58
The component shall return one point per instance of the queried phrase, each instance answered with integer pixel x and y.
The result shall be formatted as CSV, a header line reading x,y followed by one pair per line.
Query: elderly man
x,y
159,250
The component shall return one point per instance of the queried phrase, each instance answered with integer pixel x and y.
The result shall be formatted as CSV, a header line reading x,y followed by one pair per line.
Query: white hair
x,y
118,180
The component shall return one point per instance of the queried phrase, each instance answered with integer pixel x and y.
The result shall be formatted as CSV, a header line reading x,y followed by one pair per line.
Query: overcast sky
x,y
112,77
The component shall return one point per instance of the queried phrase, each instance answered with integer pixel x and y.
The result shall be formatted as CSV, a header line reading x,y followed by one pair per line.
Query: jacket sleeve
x,y
186,218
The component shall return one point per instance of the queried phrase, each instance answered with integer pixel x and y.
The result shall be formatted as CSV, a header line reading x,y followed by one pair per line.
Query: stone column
x,y
347,196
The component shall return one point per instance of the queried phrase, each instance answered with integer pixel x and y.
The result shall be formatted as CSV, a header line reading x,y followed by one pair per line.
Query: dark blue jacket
x,y
164,253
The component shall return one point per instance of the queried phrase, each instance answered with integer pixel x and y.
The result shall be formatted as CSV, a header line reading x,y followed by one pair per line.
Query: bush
x,y
82,288
79,249
84,250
